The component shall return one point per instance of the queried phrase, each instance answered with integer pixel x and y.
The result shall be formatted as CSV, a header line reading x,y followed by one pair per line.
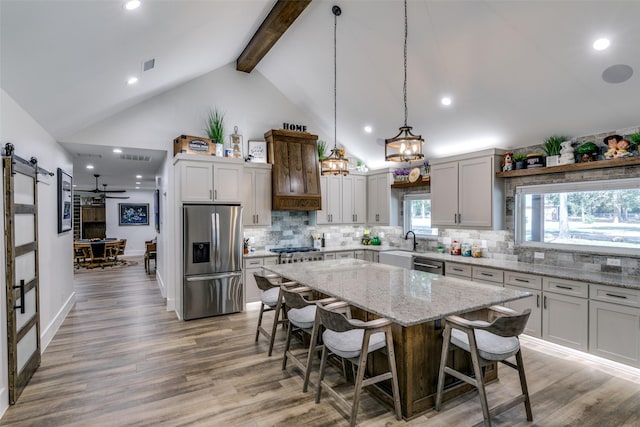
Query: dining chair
x,y
487,343
150,254
353,341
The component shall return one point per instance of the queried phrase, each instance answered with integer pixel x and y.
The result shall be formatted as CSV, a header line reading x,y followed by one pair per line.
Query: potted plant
x,y
322,149
587,152
520,159
634,140
215,129
551,147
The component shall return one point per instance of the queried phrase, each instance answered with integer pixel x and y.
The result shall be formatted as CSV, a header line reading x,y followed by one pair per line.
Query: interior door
x,y
21,242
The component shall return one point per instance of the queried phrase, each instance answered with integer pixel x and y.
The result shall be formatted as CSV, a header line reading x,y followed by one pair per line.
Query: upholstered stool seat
x,y
270,297
490,346
271,300
348,344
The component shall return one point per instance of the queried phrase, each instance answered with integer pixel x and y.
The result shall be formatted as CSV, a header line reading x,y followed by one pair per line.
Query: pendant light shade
x,y
405,146
335,163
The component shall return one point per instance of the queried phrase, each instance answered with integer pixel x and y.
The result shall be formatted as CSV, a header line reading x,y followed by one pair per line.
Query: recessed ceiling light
x,y
132,80
137,188
601,44
138,176
138,182
89,166
132,4
368,129
117,150
445,100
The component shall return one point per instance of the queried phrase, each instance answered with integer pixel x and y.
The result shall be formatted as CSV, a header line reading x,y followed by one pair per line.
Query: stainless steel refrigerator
x,y
212,282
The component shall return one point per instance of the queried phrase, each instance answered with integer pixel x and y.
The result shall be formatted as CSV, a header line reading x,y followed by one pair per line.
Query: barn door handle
x,y
21,306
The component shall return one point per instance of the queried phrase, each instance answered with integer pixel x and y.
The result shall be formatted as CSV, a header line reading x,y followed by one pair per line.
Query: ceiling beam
x,y
282,15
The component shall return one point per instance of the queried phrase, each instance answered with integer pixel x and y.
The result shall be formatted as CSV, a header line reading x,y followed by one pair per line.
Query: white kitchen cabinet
x,y
534,324
565,312
466,193
354,199
454,269
345,255
331,193
614,324
382,205
366,255
209,181
256,195
330,255
487,275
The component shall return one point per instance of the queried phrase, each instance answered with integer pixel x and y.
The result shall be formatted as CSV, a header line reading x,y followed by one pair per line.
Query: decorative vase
x,y
552,160
219,150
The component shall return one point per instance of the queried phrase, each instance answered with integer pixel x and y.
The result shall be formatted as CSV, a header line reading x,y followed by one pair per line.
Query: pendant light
x,y
335,163
405,146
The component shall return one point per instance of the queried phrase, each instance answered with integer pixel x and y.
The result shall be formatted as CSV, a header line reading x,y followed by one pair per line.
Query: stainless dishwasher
x,y
428,265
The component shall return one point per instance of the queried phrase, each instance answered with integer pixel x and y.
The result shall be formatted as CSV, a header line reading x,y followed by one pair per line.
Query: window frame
x,y
406,208
554,188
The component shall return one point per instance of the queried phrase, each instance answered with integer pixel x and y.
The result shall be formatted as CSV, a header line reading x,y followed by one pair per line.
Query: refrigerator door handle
x,y
212,277
215,238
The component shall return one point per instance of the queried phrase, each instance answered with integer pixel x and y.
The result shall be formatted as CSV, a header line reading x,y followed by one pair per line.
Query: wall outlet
x,y
446,240
538,255
357,234
483,244
613,261
381,234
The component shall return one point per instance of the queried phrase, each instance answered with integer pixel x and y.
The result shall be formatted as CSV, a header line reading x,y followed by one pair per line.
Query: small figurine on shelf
x,y
566,153
507,161
617,147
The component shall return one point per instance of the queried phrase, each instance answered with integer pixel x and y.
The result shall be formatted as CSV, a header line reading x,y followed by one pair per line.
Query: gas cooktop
x,y
293,250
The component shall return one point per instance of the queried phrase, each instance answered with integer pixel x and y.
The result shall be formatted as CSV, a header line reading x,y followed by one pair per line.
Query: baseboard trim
x,y
50,331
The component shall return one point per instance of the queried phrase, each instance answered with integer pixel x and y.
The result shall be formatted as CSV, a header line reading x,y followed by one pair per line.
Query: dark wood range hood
x,y
295,177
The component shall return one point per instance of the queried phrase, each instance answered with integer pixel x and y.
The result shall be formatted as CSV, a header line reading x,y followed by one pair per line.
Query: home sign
x,y
294,127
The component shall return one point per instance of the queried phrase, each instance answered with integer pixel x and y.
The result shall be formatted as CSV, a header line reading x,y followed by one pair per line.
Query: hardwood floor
x,y
121,359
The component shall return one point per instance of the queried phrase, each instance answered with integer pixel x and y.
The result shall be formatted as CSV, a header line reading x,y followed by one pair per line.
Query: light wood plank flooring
x,y
121,359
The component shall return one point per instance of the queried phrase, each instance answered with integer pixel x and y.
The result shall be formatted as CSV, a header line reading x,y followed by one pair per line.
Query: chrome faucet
x,y
406,237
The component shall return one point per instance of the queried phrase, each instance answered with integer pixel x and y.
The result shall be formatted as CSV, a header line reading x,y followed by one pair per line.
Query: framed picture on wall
x,y
65,201
258,151
133,213
156,209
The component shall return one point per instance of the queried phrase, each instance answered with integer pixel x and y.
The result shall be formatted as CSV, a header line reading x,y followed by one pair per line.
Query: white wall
x,y
249,101
136,235
55,250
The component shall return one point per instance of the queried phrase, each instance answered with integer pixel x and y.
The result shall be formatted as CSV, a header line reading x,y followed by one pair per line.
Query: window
x,y
596,215
417,214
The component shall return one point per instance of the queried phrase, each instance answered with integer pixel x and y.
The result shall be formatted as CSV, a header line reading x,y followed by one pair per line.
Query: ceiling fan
x,y
103,194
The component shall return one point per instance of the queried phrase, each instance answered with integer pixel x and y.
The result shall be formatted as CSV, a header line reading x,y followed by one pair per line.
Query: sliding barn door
x,y
23,318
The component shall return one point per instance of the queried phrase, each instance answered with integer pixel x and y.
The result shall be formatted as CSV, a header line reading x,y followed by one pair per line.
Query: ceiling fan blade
x,y
113,191
116,197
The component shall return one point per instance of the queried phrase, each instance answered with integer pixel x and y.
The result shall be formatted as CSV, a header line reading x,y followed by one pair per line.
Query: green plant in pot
x,y
322,149
634,141
587,152
520,160
215,129
551,147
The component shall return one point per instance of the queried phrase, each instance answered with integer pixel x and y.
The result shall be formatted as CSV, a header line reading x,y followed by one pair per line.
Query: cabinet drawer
x,y
344,255
613,294
455,269
488,274
272,260
522,279
566,287
252,262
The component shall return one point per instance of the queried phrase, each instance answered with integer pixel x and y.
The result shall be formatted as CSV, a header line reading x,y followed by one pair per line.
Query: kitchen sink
x,y
402,259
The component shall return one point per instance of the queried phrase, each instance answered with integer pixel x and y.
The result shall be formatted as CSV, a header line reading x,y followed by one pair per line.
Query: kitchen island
x,y
415,302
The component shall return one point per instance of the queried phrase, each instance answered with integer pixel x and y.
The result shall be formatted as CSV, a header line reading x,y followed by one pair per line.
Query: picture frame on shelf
x,y
258,151
133,213
65,201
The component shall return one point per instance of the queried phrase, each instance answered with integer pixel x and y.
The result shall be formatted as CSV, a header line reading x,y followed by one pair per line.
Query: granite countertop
x,y
407,297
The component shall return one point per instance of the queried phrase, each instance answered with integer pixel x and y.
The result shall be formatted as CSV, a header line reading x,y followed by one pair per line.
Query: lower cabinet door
x,y
614,332
252,293
565,320
534,324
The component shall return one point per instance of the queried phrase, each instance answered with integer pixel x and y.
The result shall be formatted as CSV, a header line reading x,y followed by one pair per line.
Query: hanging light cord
x,y
405,62
335,80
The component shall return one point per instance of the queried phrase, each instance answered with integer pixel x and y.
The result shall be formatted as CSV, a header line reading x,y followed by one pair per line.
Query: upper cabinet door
x,y
444,194
262,190
475,192
359,199
196,181
226,179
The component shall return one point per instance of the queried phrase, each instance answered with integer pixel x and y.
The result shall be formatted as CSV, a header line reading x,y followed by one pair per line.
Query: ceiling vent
x,y
149,65
135,157
89,156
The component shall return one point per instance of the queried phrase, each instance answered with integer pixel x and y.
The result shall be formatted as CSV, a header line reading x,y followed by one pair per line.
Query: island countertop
x,y
406,297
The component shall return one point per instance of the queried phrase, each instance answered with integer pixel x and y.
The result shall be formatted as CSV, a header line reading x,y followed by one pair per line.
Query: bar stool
x,y
301,313
271,300
487,343
353,340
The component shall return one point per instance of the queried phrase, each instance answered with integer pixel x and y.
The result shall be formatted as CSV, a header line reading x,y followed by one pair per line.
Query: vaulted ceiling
x,y
517,71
